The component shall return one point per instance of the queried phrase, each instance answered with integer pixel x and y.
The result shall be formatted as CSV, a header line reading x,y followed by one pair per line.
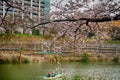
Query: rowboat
x,y
57,76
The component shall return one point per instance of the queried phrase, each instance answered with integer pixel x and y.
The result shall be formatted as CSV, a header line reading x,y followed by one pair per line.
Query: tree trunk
x,y
21,50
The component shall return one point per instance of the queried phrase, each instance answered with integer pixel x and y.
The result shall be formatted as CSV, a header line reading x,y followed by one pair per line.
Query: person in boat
x,y
52,74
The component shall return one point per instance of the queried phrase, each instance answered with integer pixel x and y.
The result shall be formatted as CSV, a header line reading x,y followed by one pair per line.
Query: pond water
x,y
32,71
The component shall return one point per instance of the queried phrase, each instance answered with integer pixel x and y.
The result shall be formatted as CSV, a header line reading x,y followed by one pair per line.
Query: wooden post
x,y
42,46
97,49
54,45
21,51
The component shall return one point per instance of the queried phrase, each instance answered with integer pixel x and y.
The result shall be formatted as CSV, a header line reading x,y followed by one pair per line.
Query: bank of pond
x,y
52,58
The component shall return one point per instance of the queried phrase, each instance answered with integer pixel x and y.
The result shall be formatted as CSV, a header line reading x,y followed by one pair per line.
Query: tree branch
x,y
5,15
104,19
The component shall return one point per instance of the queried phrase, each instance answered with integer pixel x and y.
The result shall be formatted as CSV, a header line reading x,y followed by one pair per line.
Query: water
x,y
94,71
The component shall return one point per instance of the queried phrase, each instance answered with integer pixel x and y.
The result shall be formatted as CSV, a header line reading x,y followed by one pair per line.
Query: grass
x,y
24,35
113,41
40,35
19,38
85,57
116,59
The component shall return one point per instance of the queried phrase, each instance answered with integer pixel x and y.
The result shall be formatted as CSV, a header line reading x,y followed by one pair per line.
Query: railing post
x,y
97,48
116,49
42,46
34,44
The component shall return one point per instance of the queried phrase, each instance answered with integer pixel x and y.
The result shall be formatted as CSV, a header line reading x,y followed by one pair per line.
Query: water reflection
x,y
94,71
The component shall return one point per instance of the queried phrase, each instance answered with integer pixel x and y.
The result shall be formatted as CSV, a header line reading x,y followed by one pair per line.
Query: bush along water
x,y
116,59
85,57
13,58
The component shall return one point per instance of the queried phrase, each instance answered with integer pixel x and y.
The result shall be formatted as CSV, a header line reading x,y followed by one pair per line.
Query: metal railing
x,y
39,46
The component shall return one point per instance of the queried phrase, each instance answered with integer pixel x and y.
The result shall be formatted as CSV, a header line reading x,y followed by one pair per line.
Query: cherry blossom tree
x,y
77,19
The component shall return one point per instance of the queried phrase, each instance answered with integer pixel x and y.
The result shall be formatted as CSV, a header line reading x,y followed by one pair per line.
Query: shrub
x,y
17,32
35,31
26,60
116,59
85,57
90,34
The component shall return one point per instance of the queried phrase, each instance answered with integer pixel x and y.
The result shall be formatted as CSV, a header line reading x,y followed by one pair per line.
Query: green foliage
x,y
17,32
21,49
26,60
114,33
35,31
113,41
10,37
45,36
116,59
90,34
5,35
5,38
22,35
85,57
76,77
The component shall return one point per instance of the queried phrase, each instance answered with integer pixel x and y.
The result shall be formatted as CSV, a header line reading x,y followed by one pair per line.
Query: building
x,y
37,10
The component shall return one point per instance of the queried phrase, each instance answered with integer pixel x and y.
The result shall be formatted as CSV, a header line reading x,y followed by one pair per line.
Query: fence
x,y
102,48
46,47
